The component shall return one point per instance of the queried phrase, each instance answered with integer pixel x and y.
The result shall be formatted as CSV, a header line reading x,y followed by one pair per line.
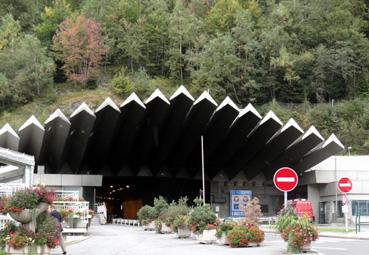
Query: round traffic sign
x,y
344,185
285,179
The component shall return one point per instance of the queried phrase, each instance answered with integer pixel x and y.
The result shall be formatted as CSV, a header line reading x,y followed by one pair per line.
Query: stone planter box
x,y
184,233
73,222
223,240
209,236
39,250
165,229
150,226
28,216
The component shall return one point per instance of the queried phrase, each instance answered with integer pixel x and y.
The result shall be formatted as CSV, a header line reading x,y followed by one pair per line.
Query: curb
x,y
76,241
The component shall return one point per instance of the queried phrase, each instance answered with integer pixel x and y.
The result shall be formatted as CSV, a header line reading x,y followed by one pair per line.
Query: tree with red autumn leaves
x,y
78,43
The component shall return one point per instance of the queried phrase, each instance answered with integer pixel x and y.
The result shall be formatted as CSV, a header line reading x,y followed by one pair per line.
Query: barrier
x,y
126,222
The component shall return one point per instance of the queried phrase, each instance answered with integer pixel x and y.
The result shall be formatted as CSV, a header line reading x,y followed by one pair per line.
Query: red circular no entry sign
x,y
285,179
344,185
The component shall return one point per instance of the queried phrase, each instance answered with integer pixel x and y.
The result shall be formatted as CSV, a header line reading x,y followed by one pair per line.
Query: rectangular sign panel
x,y
237,201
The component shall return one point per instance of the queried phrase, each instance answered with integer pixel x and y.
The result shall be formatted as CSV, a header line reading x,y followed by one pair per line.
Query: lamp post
x,y
349,148
203,169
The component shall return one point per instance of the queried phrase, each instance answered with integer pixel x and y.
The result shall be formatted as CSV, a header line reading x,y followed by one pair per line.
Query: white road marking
x,y
285,179
331,248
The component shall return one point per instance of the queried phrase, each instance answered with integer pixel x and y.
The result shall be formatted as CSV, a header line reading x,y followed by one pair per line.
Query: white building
x,y
321,181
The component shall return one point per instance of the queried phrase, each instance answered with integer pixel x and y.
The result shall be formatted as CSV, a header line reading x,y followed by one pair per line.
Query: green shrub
x,y
225,227
121,84
242,235
201,216
181,221
146,214
160,205
174,210
158,225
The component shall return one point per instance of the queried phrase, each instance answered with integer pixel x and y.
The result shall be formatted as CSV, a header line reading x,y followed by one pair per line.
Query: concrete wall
x,y
265,191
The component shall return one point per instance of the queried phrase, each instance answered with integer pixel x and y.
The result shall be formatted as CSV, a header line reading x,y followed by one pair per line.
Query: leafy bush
x,y
253,211
300,233
158,225
146,214
225,227
174,210
160,205
181,221
201,216
28,198
242,235
286,217
121,84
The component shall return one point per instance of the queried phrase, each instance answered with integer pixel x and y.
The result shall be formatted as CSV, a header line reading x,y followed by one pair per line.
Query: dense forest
x,y
308,59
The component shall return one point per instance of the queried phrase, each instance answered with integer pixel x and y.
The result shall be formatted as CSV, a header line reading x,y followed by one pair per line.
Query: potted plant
x,y
200,218
24,205
174,210
222,231
146,216
158,225
243,235
160,207
181,225
298,232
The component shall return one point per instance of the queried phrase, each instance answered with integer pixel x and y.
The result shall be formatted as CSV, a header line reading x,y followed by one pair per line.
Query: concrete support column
x,y
28,176
313,196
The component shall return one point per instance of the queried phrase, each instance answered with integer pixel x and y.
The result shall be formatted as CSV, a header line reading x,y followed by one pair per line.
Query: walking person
x,y
58,218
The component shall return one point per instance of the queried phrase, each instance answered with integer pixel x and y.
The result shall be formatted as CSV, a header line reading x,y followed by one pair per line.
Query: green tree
x,y
25,70
183,30
51,17
10,31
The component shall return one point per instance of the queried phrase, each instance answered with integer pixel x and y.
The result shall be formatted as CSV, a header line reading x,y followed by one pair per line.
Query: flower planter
x,y
39,250
223,240
11,250
184,233
150,226
43,250
165,229
73,222
209,236
28,216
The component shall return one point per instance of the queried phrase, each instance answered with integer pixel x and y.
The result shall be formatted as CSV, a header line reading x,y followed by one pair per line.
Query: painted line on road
x,y
332,248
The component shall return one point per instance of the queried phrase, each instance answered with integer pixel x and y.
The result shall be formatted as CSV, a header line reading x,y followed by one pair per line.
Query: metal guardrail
x,y
358,223
126,222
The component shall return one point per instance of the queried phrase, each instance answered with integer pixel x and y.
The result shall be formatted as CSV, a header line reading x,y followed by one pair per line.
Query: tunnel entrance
x,y
124,196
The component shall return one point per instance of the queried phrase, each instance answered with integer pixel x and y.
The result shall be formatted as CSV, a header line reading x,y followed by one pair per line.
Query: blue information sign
x,y
238,200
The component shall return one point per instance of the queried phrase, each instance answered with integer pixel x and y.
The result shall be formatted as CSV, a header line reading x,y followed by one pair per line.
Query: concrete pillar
x,y
314,198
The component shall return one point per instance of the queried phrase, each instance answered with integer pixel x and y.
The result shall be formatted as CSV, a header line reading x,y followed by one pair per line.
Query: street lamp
x,y
349,148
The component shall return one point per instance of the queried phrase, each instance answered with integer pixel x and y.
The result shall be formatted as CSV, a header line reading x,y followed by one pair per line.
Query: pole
x,y
335,174
203,168
285,199
346,212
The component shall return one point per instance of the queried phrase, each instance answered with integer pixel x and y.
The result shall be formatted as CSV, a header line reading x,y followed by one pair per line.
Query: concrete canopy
x,y
161,137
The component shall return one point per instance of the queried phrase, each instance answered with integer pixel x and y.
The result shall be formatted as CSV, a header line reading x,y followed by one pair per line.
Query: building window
x,y
360,207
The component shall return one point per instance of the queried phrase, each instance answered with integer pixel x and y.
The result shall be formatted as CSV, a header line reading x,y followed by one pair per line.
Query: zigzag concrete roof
x,y
161,137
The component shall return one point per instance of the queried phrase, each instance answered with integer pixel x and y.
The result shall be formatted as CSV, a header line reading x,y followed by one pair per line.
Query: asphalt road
x,y
339,246
121,240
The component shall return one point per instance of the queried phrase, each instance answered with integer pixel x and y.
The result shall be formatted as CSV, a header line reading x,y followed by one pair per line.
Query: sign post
x,y
345,186
285,179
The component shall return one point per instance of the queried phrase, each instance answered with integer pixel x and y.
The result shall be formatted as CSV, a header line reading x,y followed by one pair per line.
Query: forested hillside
x,y
307,59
